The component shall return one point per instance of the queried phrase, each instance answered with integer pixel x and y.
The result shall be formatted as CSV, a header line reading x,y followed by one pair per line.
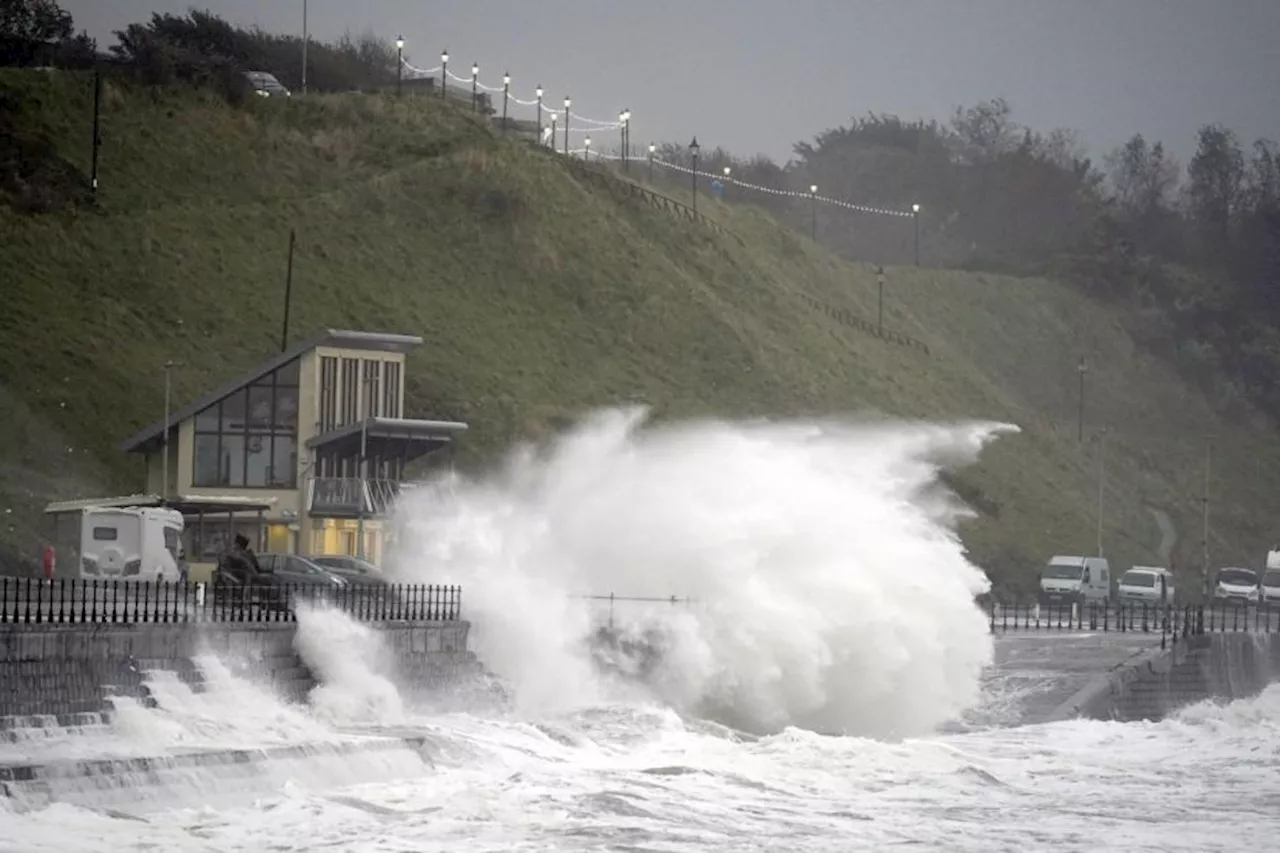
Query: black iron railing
x,y
74,601
1171,622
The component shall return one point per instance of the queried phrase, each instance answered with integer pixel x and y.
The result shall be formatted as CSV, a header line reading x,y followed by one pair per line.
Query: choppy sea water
x,y
634,777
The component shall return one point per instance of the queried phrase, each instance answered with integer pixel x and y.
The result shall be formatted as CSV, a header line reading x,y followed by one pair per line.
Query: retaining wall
x,y
1224,666
67,671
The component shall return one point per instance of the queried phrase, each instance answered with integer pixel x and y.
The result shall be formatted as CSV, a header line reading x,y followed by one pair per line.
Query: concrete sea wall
x,y
1222,666
68,671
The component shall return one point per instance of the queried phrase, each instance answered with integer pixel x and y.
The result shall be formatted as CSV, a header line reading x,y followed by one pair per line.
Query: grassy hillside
x,y
538,293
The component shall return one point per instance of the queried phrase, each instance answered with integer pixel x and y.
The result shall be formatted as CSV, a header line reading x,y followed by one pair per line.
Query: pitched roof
x,y
373,341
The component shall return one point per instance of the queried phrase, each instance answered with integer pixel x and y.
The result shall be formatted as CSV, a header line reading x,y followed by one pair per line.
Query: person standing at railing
x,y
238,563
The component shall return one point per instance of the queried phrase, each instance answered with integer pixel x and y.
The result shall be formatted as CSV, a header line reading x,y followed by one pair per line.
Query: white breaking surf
x,y
831,591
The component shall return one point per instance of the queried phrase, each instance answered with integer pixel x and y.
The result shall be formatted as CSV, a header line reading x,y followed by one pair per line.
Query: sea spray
x,y
833,590
349,662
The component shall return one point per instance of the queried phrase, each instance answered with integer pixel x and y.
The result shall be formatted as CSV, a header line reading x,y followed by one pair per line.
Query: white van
x,y
1146,585
1076,580
130,544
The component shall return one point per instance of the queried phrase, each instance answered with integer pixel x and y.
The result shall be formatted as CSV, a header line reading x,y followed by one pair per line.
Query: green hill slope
x,y
540,292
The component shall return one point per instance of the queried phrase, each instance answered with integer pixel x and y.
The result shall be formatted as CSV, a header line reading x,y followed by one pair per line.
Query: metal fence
x,y
75,601
614,600
1170,622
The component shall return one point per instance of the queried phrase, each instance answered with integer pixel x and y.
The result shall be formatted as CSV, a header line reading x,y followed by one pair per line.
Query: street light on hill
x,y
475,83
399,63
652,149
915,218
506,92
694,148
538,93
624,118
880,300
813,209
1082,367
567,103
444,72
306,37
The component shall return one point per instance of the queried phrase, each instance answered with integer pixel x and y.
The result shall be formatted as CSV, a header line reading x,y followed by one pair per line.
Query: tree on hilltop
x,y
34,21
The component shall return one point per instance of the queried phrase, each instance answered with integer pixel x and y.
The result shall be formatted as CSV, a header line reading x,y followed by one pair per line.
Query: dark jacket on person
x,y
239,564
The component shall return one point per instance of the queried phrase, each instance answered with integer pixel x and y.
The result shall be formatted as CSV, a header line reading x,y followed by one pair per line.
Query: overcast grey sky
x,y
758,75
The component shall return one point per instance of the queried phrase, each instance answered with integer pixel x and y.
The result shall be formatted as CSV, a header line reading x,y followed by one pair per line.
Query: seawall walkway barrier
x,y
74,601
1170,622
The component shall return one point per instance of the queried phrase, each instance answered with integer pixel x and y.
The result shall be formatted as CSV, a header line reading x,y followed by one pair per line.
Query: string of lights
x,y
586,126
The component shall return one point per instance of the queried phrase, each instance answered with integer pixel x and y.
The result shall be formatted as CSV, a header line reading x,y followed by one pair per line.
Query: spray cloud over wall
x,y
831,589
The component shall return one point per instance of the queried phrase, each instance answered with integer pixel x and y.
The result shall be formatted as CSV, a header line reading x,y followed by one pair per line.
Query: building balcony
x,y
349,497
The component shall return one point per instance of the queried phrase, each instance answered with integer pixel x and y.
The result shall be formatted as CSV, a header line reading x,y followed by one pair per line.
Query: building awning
x,y
185,504
404,438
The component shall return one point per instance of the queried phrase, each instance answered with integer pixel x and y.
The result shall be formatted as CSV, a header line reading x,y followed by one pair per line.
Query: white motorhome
x,y
1271,577
123,543
1146,585
1075,580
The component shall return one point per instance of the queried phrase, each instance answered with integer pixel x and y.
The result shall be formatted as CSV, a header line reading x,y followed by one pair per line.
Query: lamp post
x,y
305,38
586,151
364,462
1082,368
727,172
444,72
475,81
624,119
915,218
399,63
694,148
813,209
880,300
97,131
553,133
538,93
164,441
1204,535
1102,439
506,91
652,149
567,104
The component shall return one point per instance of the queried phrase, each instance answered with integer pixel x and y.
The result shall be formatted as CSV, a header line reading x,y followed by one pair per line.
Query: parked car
x,y
1146,585
285,578
353,569
266,85
1236,585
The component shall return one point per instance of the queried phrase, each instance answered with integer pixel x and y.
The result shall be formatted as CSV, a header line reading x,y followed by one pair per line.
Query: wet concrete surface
x,y
1035,672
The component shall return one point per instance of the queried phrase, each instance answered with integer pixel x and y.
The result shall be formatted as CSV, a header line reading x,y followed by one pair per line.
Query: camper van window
x,y
1271,578
1059,572
105,534
1138,579
171,541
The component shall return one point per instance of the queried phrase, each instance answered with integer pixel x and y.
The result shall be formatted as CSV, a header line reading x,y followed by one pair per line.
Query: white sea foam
x,y
351,669
830,589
